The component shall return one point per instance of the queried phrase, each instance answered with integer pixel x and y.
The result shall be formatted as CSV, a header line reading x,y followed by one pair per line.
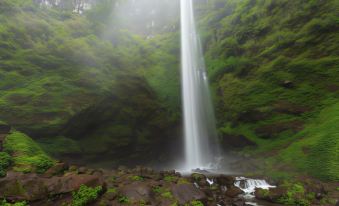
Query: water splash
x,y
199,119
249,185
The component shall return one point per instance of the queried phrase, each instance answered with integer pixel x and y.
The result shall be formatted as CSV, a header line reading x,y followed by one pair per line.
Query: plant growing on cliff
x,y
85,195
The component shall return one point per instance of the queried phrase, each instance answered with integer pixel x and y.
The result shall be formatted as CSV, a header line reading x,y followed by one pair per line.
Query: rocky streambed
x,y
138,186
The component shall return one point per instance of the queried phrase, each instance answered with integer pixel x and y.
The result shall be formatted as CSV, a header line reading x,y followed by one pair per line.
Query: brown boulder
x,y
30,187
225,180
17,186
71,182
57,169
233,191
271,195
185,193
137,191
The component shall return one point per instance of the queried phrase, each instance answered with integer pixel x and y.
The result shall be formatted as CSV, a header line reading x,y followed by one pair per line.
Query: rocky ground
x,y
139,186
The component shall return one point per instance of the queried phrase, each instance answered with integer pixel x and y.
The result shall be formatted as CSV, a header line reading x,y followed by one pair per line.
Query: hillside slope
x,y
274,66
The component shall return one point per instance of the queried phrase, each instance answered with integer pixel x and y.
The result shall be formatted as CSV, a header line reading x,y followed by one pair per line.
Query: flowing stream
x,y
199,119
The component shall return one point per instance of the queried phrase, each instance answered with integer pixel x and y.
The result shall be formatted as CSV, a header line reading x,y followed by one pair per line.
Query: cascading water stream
x,y
199,119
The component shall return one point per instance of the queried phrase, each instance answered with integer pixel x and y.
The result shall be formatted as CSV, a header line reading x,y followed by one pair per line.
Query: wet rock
x,y
185,193
137,191
225,180
233,191
271,195
200,179
239,202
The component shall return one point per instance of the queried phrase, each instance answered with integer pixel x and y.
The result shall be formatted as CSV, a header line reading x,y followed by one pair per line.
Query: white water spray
x,y
199,120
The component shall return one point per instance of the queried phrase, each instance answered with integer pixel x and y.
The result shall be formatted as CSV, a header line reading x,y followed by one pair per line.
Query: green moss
x,y
85,195
137,178
195,203
169,178
112,190
27,154
5,203
167,194
123,200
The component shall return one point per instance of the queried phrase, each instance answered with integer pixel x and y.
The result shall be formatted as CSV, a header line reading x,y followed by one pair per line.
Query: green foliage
x,y
112,190
196,203
27,155
5,203
123,200
85,195
252,48
296,195
169,178
5,160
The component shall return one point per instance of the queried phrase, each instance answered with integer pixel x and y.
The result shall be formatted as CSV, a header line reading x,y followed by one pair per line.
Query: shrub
x,y
85,195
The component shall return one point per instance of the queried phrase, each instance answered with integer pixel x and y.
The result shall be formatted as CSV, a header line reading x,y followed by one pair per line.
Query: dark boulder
x,y
287,84
225,180
233,191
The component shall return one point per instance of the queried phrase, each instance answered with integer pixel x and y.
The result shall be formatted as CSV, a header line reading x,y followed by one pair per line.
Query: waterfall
x,y
198,114
249,185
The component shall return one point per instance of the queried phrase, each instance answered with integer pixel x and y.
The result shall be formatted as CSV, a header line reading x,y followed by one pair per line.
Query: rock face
x,y
30,187
185,193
